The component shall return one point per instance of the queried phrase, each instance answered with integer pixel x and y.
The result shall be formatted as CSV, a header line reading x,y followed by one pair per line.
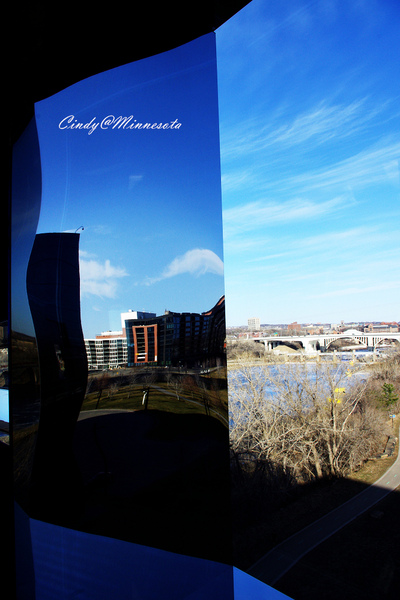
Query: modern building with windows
x,y
106,351
189,340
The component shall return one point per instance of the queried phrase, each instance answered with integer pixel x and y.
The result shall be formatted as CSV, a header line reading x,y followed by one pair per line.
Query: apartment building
x,y
106,351
253,324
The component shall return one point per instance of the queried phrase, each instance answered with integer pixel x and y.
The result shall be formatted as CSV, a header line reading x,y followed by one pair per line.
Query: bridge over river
x,y
321,342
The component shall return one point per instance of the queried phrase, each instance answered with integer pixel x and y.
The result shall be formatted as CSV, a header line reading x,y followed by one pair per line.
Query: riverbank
x,y
266,523
360,561
345,565
292,358
310,503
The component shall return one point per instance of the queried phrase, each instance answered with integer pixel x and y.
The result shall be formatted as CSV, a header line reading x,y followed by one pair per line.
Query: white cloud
x,y
252,216
133,180
198,261
315,126
377,165
366,289
239,179
322,123
99,279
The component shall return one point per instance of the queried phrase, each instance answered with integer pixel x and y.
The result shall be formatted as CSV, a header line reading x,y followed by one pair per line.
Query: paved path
x,y
271,567
97,412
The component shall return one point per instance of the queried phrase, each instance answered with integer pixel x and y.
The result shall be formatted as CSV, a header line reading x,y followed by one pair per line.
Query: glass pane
x,y
133,433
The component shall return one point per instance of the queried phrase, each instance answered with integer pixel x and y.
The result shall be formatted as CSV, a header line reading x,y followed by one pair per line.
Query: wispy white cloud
x,y
295,249
99,279
315,126
353,236
323,123
372,166
236,179
198,261
351,257
362,289
377,165
253,215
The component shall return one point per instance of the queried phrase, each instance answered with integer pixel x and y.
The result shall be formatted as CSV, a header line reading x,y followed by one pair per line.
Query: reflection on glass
x,y
183,353
4,400
132,440
151,439
24,374
53,293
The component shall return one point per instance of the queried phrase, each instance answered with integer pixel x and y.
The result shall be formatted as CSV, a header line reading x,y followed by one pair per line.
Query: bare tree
x,y
311,420
174,382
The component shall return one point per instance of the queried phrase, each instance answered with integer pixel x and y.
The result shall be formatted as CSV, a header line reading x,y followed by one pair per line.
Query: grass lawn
x,y
180,396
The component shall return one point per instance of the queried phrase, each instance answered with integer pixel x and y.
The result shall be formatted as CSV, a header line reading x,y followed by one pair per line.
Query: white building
x,y
254,324
106,352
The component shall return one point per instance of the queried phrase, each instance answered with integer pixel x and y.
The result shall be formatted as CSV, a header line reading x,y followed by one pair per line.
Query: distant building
x,y
314,329
177,339
136,315
106,351
109,335
171,339
254,324
381,327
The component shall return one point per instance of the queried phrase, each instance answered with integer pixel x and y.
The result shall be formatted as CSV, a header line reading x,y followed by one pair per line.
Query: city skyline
x,y
309,122
311,323
305,324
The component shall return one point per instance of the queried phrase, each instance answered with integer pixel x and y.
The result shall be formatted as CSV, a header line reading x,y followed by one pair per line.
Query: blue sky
x,y
309,121
309,103
4,405
149,200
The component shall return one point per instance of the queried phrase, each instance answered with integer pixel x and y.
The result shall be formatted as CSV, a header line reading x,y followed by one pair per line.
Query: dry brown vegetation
x,y
320,425
310,421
